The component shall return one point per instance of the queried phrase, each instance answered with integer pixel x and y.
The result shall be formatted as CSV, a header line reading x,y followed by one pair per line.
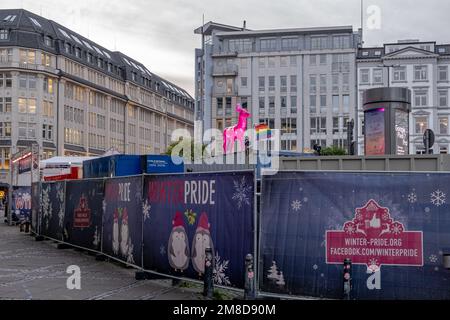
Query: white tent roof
x,y
64,161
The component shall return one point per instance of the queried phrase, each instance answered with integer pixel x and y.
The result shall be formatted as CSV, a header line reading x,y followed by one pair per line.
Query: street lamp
x,y
389,71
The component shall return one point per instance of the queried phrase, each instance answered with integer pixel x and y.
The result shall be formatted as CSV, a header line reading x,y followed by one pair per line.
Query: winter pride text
x,y
183,192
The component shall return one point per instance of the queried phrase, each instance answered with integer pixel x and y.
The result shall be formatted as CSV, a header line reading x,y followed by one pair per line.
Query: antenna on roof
x,y
362,22
244,26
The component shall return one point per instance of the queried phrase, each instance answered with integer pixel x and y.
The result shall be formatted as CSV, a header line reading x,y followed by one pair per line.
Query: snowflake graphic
x,y
412,197
96,240
385,216
305,199
219,273
373,262
146,209
46,206
104,205
61,214
433,258
162,250
438,198
130,257
241,192
350,228
396,228
315,267
296,205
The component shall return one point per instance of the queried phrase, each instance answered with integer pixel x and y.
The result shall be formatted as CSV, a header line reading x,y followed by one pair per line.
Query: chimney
x,y
244,26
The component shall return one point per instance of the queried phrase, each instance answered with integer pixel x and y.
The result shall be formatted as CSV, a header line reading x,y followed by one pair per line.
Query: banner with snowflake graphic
x,y
122,219
52,209
186,213
84,210
393,223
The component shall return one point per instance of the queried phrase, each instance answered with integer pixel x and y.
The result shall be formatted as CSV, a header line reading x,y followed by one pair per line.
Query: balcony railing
x,y
228,70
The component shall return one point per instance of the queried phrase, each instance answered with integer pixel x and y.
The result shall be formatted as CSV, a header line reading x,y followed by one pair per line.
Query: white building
x,y
423,68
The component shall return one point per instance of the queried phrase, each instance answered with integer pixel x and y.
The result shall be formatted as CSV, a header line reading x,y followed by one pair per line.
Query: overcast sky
x,y
159,33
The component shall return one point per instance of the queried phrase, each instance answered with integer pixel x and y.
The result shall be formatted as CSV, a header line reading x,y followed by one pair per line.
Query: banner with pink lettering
x,y
184,214
394,227
122,219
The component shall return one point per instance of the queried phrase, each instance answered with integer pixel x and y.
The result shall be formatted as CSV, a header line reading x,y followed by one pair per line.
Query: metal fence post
x,y
208,287
249,286
347,279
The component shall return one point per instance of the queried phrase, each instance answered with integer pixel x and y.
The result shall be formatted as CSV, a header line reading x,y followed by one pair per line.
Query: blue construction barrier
x,y
122,219
396,223
184,214
84,213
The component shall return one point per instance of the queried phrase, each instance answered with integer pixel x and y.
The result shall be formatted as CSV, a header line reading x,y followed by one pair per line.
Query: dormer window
x,y
78,52
67,47
100,63
10,18
377,53
133,76
109,67
3,34
365,53
89,58
48,41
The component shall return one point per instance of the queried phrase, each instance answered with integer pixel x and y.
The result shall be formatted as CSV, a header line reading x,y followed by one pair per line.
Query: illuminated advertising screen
x,y
375,132
401,133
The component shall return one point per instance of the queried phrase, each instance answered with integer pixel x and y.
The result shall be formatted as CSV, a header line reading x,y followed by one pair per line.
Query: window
x,y
400,74
5,155
323,59
48,85
244,82
443,125
335,104
293,83
35,22
323,104
271,105
335,125
313,83
420,73
346,103
27,56
443,150
318,43
5,105
283,103
271,83
293,104
421,98
5,129
312,60
5,80
313,104
27,130
22,103
262,104
443,98
47,132
229,86
5,55
268,44
283,61
293,61
48,108
219,106
346,82
443,73
289,44
341,42
335,82
364,75
421,124
48,41
27,105
78,52
3,34
323,83
283,84
377,76
67,47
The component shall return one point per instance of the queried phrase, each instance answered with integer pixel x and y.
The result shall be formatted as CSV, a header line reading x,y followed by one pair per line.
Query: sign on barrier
x,y
122,219
84,211
21,203
394,228
52,210
185,214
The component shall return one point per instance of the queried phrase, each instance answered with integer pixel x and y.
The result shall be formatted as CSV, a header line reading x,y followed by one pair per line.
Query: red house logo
x,y
82,214
374,239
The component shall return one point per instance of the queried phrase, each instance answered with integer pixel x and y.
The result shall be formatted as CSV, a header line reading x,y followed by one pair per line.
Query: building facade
x,y
302,81
74,97
423,67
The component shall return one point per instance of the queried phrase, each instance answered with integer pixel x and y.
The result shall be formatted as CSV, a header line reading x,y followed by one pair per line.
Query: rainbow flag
x,y
263,130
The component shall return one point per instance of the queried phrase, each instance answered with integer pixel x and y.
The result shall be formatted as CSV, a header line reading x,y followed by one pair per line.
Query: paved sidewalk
x,y
37,270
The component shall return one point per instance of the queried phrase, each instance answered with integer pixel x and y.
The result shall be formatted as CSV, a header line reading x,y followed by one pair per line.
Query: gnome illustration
x,y
202,240
124,233
178,247
115,232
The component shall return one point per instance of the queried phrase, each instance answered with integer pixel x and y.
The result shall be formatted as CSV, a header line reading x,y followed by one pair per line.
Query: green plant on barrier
x,y
333,151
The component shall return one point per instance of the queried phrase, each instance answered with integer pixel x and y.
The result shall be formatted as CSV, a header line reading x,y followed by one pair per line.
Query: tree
x,y
195,147
333,151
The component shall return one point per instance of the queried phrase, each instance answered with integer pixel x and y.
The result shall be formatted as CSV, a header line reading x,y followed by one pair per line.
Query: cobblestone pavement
x,y
32,269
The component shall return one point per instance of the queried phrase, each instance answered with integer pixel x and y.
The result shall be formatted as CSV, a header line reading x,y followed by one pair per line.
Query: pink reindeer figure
x,y
237,132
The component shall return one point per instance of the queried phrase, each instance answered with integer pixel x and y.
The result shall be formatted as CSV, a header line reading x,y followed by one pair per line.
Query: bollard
x,y
249,286
208,287
347,278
